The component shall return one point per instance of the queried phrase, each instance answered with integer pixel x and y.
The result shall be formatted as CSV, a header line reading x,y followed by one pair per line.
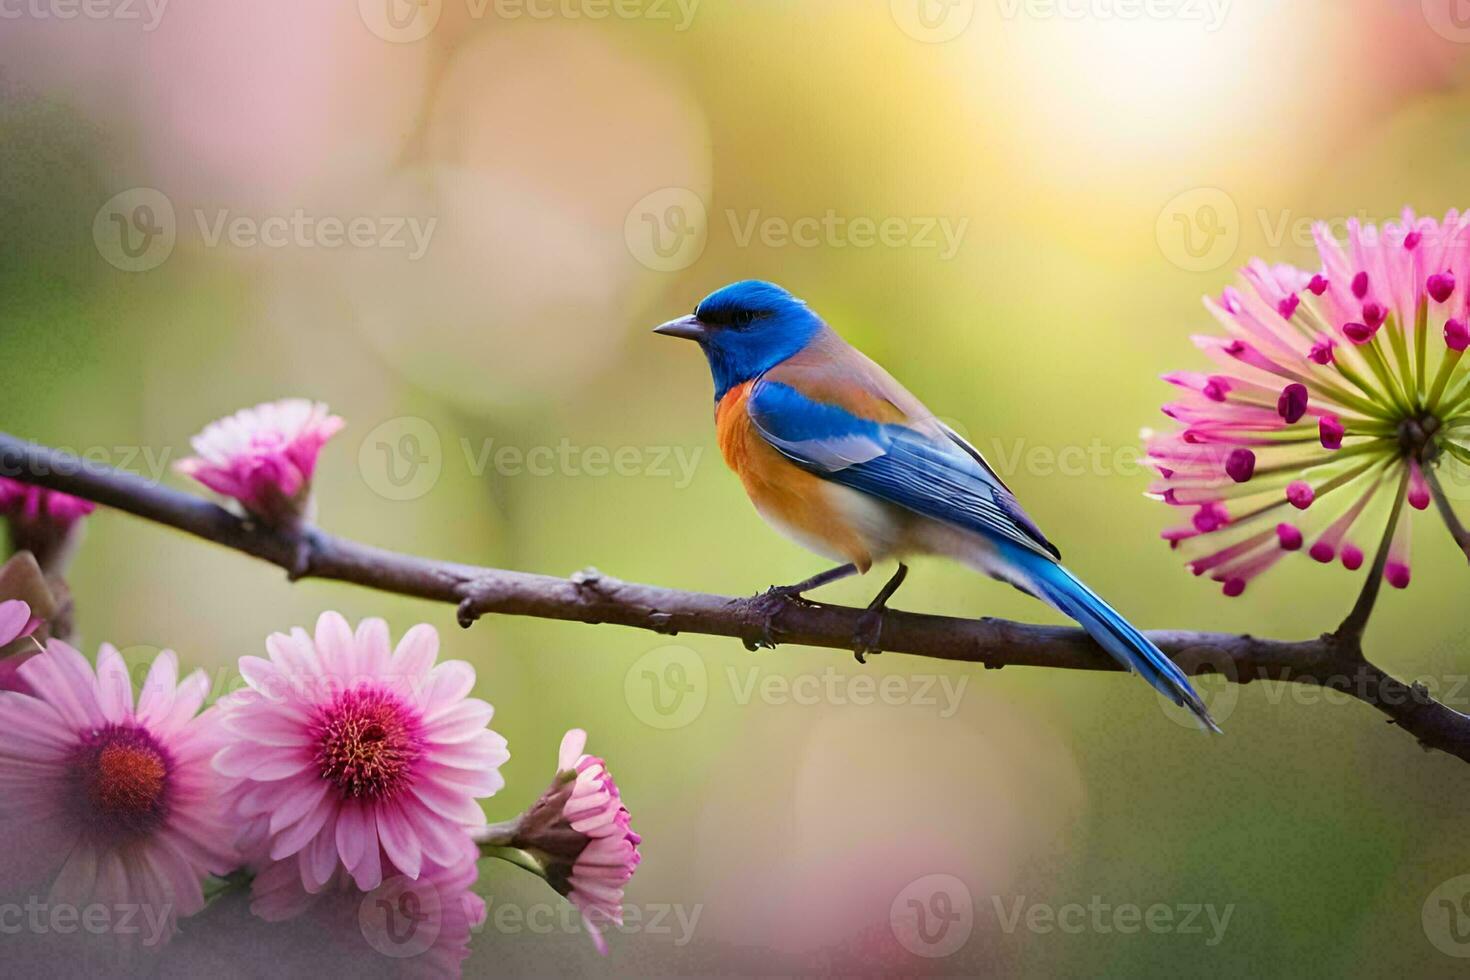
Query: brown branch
x,y
761,620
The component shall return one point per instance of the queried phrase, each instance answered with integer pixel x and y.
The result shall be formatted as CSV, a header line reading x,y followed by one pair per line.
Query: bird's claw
x,y
868,636
768,605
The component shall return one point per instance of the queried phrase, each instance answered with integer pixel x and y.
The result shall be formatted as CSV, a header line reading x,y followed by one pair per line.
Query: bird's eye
x,y
743,318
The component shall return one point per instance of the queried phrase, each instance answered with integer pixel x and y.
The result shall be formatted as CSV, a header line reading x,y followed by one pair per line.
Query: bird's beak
x,y
687,327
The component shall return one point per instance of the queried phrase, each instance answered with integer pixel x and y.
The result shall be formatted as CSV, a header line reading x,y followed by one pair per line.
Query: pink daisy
x,y
434,915
43,522
16,623
120,800
579,835
347,750
1340,394
264,457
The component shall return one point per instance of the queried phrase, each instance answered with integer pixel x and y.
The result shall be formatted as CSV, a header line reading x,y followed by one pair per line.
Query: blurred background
x,y
455,221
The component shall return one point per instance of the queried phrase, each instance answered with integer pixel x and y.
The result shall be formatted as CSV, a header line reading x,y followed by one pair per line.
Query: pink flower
x,y
425,922
348,750
580,836
16,623
264,457
121,800
1342,393
43,522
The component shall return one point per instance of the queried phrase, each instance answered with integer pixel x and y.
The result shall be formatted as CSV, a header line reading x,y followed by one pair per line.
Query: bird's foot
x,y
868,636
766,607
869,633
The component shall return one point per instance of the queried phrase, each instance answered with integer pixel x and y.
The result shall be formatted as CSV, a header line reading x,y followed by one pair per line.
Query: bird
x,y
839,457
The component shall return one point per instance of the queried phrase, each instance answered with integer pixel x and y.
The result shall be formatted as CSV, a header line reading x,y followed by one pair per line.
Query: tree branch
x,y
762,620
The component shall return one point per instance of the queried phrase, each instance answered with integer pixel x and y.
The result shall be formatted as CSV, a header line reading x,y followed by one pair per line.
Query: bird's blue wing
x,y
941,477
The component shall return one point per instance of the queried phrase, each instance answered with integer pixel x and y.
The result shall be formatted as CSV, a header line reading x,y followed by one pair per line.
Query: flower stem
x,y
497,834
216,888
514,855
1421,347
1446,511
1352,627
1446,368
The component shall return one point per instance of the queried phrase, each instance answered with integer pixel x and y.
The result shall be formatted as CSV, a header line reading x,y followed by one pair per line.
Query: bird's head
x,y
745,329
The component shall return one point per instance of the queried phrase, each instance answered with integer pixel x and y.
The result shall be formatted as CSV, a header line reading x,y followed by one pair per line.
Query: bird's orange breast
x,y
801,505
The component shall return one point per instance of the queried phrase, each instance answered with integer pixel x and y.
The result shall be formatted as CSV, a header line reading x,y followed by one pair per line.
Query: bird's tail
x,y
1059,587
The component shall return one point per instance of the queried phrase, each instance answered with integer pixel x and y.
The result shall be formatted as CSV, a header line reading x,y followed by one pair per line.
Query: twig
x,y
765,619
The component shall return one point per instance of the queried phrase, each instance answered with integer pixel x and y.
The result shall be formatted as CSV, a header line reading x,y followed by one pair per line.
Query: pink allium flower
x,y
43,522
579,833
264,457
1340,393
347,750
16,622
120,800
426,923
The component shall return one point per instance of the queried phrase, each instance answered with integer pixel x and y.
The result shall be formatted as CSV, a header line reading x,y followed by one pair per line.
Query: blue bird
x,y
840,457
